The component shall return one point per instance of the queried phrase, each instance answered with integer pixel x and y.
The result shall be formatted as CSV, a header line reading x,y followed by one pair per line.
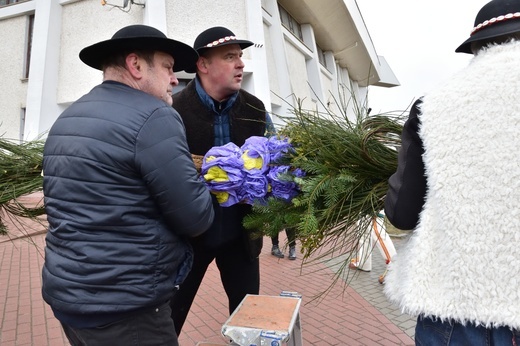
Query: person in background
x,y
457,186
291,239
216,111
122,196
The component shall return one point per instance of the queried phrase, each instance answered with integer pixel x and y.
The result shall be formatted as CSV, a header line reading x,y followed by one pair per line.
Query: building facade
x,y
309,53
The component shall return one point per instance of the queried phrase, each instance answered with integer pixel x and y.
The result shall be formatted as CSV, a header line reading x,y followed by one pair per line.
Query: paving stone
x,y
357,314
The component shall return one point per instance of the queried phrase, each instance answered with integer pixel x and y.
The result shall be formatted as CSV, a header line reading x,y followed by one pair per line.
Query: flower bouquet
x,y
251,173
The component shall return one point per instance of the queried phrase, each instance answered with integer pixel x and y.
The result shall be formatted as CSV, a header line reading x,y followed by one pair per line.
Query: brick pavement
x,y
341,317
24,317
354,315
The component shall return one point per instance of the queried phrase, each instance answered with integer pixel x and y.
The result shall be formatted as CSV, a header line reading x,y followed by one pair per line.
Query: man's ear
x,y
134,65
202,64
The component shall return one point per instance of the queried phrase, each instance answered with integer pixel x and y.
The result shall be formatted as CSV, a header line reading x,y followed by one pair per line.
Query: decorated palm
x,y
341,167
347,164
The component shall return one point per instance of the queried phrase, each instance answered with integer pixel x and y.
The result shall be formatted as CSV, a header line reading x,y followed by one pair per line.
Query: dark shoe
x,y
292,253
275,251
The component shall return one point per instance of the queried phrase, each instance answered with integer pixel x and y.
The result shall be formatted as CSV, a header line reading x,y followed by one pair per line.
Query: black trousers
x,y
291,237
154,327
239,275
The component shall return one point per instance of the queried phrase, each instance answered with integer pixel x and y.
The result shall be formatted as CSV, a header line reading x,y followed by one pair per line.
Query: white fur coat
x,y
463,260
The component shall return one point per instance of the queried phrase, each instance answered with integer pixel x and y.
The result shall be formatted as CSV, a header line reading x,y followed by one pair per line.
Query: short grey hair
x,y
477,46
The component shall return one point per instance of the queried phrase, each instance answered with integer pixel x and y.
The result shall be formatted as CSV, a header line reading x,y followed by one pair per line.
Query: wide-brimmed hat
x,y
496,18
216,37
139,37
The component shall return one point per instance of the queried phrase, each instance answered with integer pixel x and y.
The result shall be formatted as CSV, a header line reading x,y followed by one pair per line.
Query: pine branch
x,y
347,164
20,174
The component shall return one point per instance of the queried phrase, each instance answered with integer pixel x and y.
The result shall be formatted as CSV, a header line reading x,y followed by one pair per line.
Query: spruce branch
x,y
20,174
347,161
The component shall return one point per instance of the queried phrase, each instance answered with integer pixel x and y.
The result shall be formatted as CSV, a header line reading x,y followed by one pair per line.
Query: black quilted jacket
x,y
121,196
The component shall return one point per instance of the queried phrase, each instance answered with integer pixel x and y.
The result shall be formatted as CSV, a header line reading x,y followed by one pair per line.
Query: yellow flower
x,y
210,158
222,196
216,174
251,162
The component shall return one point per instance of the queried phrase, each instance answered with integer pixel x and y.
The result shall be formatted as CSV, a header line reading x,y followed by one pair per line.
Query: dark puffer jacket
x,y
121,196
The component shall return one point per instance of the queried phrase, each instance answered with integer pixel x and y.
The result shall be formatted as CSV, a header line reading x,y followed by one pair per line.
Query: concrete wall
x,y
187,19
84,23
280,69
12,60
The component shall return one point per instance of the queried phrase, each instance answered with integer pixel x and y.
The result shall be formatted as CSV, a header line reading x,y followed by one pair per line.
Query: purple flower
x,y
254,187
222,168
227,198
285,190
282,184
298,172
278,147
276,172
255,155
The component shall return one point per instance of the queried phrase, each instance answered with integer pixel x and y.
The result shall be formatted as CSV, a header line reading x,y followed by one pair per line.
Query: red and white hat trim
x,y
220,41
494,20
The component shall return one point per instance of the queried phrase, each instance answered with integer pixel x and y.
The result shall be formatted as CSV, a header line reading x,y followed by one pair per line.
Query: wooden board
x,y
265,313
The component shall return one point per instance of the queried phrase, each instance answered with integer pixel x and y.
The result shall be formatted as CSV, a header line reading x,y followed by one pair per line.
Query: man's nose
x,y
240,63
174,80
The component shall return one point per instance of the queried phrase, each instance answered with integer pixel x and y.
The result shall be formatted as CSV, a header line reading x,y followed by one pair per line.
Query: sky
x,y
418,39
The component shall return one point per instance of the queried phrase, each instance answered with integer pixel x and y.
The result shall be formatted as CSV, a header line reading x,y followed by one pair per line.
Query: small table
x,y
265,320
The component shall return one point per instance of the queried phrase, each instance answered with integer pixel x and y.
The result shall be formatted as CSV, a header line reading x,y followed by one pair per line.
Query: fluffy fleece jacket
x,y
462,262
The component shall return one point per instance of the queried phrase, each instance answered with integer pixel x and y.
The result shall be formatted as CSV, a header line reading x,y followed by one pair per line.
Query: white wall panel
x,y
187,19
12,59
296,62
279,68
85,23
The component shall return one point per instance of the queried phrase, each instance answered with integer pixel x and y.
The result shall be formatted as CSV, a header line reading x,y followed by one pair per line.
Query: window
x,y
28,39
290,23
9,2
321,56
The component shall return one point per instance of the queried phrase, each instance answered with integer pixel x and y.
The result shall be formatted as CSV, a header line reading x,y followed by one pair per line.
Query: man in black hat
x,y
457,187
216,111
122,196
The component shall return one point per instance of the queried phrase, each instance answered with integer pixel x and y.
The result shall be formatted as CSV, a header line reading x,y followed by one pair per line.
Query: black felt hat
x,y
496,18
216,37
139,37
